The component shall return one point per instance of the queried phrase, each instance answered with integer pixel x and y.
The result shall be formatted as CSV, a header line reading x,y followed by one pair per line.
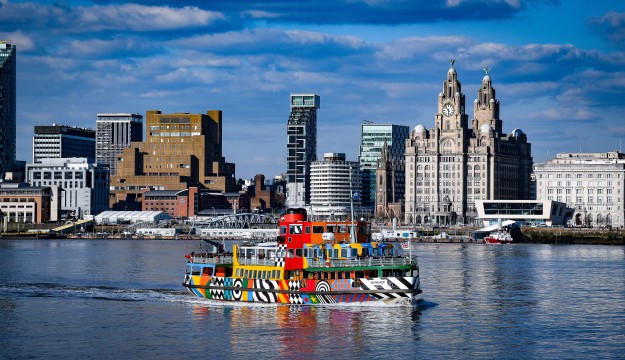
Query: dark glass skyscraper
x,y
7,107
301,147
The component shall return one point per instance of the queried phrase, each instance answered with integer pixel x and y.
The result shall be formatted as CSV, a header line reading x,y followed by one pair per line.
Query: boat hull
x,y
389,290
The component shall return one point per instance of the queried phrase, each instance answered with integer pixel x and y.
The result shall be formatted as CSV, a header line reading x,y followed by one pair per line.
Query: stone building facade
x,y
591,183
457,162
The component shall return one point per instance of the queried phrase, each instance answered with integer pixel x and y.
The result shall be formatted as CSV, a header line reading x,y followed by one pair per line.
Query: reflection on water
x,y
112,298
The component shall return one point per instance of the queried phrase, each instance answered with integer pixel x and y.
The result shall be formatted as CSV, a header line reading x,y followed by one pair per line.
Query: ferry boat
x,y
312,262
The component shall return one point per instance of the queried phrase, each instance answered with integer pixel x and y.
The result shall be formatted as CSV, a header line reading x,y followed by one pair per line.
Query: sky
x,y
558,67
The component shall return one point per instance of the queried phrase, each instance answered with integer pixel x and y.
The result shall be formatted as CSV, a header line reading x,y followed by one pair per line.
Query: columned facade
x,y
591,183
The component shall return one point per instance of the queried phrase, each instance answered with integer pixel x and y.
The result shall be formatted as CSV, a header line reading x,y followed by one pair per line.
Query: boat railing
x,y
212,258
318,263
362,261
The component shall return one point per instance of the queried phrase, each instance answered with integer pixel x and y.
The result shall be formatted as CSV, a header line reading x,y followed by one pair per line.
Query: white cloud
x,y
19,39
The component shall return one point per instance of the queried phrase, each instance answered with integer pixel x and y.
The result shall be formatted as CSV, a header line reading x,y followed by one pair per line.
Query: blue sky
x,y
558,66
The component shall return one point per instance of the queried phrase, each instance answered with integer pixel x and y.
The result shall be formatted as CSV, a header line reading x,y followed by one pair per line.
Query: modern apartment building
x,y
7,107
374,138
61,141
301,147
591,183
114,133
84,186
181,150
333,182
452,165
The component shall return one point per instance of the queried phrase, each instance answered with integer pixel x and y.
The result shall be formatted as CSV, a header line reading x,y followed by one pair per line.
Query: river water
x,y
118,299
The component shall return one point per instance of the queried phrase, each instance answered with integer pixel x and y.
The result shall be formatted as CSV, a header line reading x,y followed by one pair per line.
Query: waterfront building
x,y
62,141
301,147
181,150
7,106
524,212
176,203
591,183
333,182
23,203
452,165
84,185
374,139
114,133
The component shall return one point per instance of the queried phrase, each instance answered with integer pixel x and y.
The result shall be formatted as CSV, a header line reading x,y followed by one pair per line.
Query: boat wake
x,y
94,292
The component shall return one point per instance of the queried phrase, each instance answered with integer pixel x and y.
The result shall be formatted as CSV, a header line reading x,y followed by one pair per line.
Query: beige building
x,y
591,183
181,150
453,164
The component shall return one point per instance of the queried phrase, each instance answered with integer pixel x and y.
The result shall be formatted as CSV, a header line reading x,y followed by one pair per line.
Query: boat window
x,y
298,252
339,275
290,253
188,269
307,229
246,273
318,229
343,252
354,252
359,274
295,229
330,228
283,230
207,270
196,270
255,274
342,229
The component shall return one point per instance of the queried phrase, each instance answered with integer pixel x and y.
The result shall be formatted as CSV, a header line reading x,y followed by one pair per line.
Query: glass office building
x,y
7,107
372,140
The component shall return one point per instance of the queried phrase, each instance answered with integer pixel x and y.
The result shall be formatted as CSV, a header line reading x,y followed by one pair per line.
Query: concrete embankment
x,y
571,236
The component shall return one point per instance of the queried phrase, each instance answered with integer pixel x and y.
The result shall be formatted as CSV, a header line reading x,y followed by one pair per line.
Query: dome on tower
x,y
419,129
517,133
451,71
485,128
486,79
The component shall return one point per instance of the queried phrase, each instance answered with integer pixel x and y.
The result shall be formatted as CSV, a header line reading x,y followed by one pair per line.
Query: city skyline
x,y
557,67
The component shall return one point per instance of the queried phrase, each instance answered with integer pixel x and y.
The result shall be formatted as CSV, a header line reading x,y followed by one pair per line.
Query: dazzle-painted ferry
x,y
311,262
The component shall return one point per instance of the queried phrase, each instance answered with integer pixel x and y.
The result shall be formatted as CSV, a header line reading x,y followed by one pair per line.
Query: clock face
x,y
448,110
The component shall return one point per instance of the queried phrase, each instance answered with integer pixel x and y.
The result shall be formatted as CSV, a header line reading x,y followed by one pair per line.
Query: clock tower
x,y
451,115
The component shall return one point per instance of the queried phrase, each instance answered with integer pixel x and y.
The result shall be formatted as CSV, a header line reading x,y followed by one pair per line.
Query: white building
x,y
524,212
333,181
592,183
84,186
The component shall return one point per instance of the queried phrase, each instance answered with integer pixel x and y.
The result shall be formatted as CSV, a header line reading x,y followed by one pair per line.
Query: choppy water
x,y
114,299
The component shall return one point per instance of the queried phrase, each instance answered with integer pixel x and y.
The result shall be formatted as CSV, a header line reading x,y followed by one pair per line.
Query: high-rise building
x,y
8,83
84,185
452,165
373,139
114,133
333,182
301,147
593,184
181,150
61,141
